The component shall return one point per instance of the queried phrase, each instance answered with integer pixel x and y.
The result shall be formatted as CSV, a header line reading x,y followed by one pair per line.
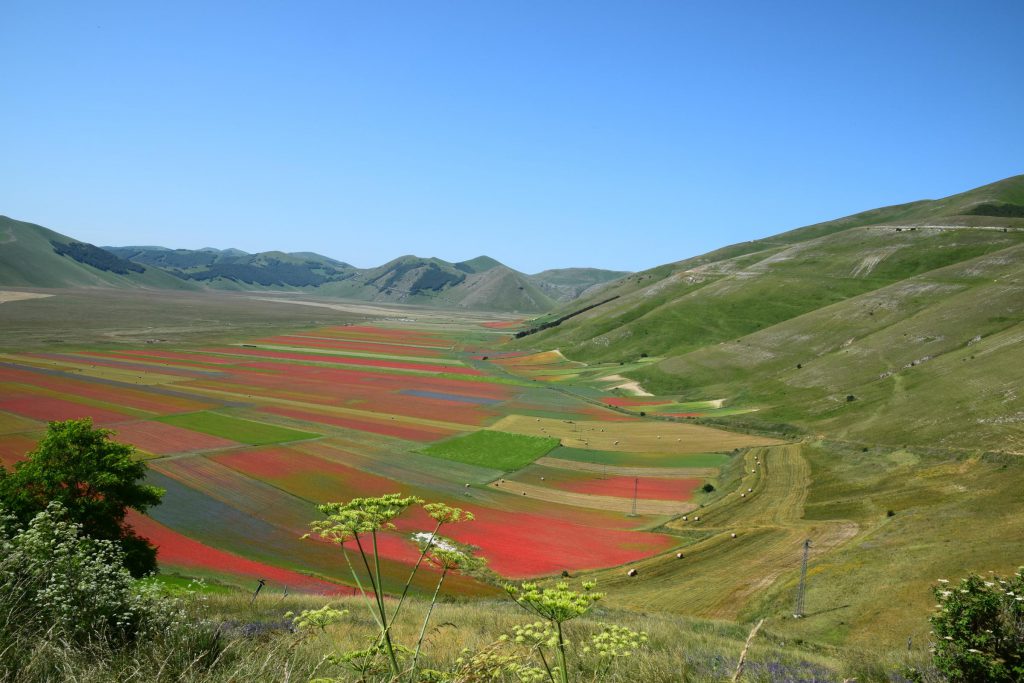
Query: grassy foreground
x,y
258,645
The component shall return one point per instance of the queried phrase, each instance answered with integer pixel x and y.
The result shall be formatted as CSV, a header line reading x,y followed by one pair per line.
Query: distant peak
x,y
478,264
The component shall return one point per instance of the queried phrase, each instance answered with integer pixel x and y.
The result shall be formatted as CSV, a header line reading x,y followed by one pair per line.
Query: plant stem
x,y
408,582
359,584
563,669
544,661
426,619
393,660
743,654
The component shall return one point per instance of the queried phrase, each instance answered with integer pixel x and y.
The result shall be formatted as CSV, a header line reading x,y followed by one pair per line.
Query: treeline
x,y
558,321
96,257
1000,209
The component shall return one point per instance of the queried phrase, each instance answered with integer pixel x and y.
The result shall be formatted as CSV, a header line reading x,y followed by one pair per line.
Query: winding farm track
x,y
719,576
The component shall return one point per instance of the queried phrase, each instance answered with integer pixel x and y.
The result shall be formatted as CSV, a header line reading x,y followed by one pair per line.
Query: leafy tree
x,y
979,628
96,481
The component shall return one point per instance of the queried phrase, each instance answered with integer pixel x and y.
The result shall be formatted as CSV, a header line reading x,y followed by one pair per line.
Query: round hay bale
x,y
632,572
696,519
750,490
743,495
467,486
684,518
679,556
733,535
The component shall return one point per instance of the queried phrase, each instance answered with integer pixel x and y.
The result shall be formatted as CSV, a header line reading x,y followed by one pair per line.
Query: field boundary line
x,y
619,470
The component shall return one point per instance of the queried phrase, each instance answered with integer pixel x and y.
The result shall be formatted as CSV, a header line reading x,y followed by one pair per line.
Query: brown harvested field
x,y
646,436
618,471
594,502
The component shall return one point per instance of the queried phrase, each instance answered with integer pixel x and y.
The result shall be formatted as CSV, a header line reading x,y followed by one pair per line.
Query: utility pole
x,y
636,485
801,589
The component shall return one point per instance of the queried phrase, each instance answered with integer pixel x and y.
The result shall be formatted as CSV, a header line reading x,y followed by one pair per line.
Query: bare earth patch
x,y
625,384
6,296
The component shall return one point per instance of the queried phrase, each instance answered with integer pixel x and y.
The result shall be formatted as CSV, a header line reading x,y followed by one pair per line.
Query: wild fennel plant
x,y
358,522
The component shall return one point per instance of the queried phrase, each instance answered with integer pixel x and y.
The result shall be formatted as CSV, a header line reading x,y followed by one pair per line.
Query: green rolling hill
x,y
896,325
34,256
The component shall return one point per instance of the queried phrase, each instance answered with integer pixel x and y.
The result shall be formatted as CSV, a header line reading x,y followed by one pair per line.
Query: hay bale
x,y
733,535
679,556
632,572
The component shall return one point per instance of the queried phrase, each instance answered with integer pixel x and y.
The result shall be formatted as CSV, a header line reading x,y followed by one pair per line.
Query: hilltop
x,y
34,256
895,325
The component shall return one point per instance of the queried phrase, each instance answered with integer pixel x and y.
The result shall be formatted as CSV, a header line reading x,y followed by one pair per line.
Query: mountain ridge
x,y
35,256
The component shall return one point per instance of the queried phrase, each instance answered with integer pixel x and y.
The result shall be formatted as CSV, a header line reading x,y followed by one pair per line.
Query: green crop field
x,y
236,429
497,450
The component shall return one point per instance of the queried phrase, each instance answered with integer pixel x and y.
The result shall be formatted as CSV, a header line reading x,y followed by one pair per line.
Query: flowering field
x,y
176,551
382,426
648,488
47,408
160,439
262,430
235,429
13,447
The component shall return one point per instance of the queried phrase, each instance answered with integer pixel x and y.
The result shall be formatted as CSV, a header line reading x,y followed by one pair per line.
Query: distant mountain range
x,y
34,256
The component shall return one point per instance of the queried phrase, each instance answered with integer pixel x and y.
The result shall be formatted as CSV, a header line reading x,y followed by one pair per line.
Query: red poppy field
x,y
181,551
372,397
647,488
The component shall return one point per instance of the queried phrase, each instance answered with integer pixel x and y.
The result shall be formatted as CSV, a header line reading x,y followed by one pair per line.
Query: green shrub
x,y
63,594
979,628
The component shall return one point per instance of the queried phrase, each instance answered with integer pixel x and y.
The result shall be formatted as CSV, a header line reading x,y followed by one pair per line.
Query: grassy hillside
x,y
33,256
912,311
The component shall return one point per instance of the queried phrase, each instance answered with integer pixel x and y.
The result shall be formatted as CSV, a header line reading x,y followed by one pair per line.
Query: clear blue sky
x,y
545,134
